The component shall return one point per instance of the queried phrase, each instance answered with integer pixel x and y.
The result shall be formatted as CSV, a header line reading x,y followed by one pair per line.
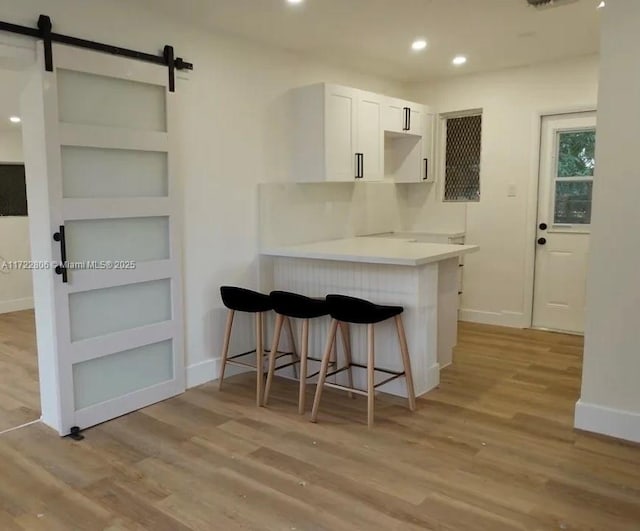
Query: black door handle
x,y
362,165
542,241
426,169
543,226
62,268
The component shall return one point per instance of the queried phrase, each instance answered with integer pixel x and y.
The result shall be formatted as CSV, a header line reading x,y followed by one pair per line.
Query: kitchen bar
x,y
422,277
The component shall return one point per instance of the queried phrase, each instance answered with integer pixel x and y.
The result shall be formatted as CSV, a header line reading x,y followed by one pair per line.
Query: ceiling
x,y
375,35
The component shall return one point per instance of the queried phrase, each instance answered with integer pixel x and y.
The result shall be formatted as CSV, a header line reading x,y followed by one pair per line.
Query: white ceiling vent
x,y
542,4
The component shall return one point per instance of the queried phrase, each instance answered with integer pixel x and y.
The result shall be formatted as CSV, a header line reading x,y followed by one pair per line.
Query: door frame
x,y
21,54
532,203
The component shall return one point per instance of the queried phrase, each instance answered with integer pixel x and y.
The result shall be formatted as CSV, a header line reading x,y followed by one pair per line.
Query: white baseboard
x,y
504,318
208,371
203,372
16,305
608,421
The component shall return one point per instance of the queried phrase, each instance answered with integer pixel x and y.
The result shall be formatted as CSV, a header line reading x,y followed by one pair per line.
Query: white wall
x,y
498,279
300,213
10,143
232,131
15,286
610,398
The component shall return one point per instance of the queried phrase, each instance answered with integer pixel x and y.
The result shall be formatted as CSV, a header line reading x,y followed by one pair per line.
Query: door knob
x,y
543,226
542,241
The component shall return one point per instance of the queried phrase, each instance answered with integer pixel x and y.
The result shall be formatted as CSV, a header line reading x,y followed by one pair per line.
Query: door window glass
x,y
575,156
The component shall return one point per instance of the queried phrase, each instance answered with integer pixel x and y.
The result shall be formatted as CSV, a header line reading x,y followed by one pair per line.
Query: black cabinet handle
x,y
359,165
62,269
407,119
543,226
542,241
426,169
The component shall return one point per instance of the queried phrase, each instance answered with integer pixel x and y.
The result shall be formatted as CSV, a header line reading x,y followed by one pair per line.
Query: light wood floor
x,y
19,388
492,449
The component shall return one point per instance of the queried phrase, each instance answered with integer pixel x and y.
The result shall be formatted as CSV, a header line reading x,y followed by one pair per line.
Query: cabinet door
x,y
416,119
396,120
341,104
370,135
394,115
428,147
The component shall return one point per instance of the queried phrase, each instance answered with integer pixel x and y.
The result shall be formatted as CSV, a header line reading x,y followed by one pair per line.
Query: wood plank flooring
x,y
19,388
492,449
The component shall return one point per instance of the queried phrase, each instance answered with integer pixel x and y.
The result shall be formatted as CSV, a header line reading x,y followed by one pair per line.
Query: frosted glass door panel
x,y
94,173
135,239
105,311
88,99
102,379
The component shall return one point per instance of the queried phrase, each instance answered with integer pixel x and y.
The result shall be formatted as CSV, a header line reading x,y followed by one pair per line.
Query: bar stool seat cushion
x,y
245,300
298,306
360,311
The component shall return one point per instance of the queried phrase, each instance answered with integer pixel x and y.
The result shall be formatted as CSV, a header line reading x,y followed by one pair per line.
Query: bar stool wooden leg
x,y
302,392
406,361
331,337
346,345
225,345
259,359
334,356
371,391
292,341
277,330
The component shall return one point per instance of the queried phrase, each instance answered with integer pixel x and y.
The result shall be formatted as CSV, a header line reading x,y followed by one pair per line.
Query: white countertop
x,y
410,234
373,250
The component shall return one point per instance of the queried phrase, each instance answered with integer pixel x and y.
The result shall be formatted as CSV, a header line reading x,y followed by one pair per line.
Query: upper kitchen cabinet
x,y
338,134
401,116
409,155
429,147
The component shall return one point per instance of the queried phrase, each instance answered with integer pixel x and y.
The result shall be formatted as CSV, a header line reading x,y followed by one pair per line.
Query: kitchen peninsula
x,y
422,277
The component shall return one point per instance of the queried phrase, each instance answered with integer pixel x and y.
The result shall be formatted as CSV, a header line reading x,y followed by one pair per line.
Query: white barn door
x,y
103,195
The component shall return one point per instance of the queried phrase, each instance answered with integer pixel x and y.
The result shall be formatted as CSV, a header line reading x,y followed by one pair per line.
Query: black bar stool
x,y
358,311
292,305
245,300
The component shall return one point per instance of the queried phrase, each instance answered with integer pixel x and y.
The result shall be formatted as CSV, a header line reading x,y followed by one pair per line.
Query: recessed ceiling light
x,y
459,60
295,1
602,4
15,119
419,44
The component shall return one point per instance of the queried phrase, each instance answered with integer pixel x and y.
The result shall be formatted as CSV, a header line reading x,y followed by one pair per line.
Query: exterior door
x,y
104,197
567,164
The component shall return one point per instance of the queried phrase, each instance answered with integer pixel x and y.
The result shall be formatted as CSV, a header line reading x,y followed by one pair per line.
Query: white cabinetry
x,y
370,136
401,116
338,134
342,134
409,155
429,148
